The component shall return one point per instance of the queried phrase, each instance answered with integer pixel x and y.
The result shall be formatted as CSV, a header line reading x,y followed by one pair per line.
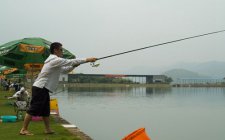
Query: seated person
x,y
21,95
15,85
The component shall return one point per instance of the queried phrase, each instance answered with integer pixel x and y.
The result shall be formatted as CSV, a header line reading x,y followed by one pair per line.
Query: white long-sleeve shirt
x,y
53,66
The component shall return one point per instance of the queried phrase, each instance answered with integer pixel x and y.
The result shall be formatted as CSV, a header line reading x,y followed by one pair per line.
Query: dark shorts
x,y
40,102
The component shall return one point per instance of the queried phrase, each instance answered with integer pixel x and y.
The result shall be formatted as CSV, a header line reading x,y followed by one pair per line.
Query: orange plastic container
x,y
138,134
53,104
54,109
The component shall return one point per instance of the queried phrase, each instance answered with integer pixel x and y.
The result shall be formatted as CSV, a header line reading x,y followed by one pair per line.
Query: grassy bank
x,y
10,130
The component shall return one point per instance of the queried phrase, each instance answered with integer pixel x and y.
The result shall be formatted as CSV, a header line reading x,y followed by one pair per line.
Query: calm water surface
x,y
167,114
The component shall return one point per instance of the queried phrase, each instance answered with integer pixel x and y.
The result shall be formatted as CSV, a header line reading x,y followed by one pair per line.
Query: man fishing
x,y
46,82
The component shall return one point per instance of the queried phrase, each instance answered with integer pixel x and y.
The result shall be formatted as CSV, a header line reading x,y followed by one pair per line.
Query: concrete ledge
x,y
69,126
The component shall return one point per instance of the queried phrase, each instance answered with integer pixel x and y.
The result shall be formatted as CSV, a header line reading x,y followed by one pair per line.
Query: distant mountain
x,y
182,73
214,69
211,69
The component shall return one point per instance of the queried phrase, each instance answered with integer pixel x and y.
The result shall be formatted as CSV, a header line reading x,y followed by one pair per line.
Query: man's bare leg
x,y
48,130
26,122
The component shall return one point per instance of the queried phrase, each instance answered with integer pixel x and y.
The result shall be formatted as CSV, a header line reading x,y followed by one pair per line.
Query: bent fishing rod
x,y
160,44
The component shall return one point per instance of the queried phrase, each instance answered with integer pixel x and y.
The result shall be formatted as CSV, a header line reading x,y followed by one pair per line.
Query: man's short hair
x,y
54,45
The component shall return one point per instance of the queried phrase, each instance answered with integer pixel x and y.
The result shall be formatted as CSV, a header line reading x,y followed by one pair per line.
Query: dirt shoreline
x,y
73,130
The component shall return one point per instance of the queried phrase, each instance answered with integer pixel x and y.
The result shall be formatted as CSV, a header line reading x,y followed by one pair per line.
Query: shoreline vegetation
x,y
155,85
113,85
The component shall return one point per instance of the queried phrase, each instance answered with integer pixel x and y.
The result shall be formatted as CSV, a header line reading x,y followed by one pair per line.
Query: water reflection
x,y
157,91
98,89
111,92
141,91
193,91
118,91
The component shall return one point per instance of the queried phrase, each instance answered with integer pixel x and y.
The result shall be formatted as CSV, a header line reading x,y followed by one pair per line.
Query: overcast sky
x,y
103,27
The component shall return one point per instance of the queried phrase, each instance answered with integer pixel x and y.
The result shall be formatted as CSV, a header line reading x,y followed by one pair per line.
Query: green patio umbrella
x,y
27,53
5,70
8,72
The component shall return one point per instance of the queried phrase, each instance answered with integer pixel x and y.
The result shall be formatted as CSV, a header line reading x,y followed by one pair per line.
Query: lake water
x,y
166,114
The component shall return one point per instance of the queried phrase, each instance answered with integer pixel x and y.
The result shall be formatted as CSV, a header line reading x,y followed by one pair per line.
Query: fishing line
x,y
54,93
160,44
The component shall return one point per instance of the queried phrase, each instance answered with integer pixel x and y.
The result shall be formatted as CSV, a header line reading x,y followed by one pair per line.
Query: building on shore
x,y
110,78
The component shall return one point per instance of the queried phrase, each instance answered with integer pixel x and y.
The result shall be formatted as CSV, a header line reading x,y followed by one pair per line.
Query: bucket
x,y
8,118
138,134
54,106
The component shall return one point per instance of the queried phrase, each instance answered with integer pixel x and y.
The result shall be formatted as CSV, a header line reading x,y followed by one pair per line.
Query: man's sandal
x,y
49,132
26,133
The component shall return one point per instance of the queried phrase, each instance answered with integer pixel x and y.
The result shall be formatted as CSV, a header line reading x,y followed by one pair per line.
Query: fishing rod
x,y
160,44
